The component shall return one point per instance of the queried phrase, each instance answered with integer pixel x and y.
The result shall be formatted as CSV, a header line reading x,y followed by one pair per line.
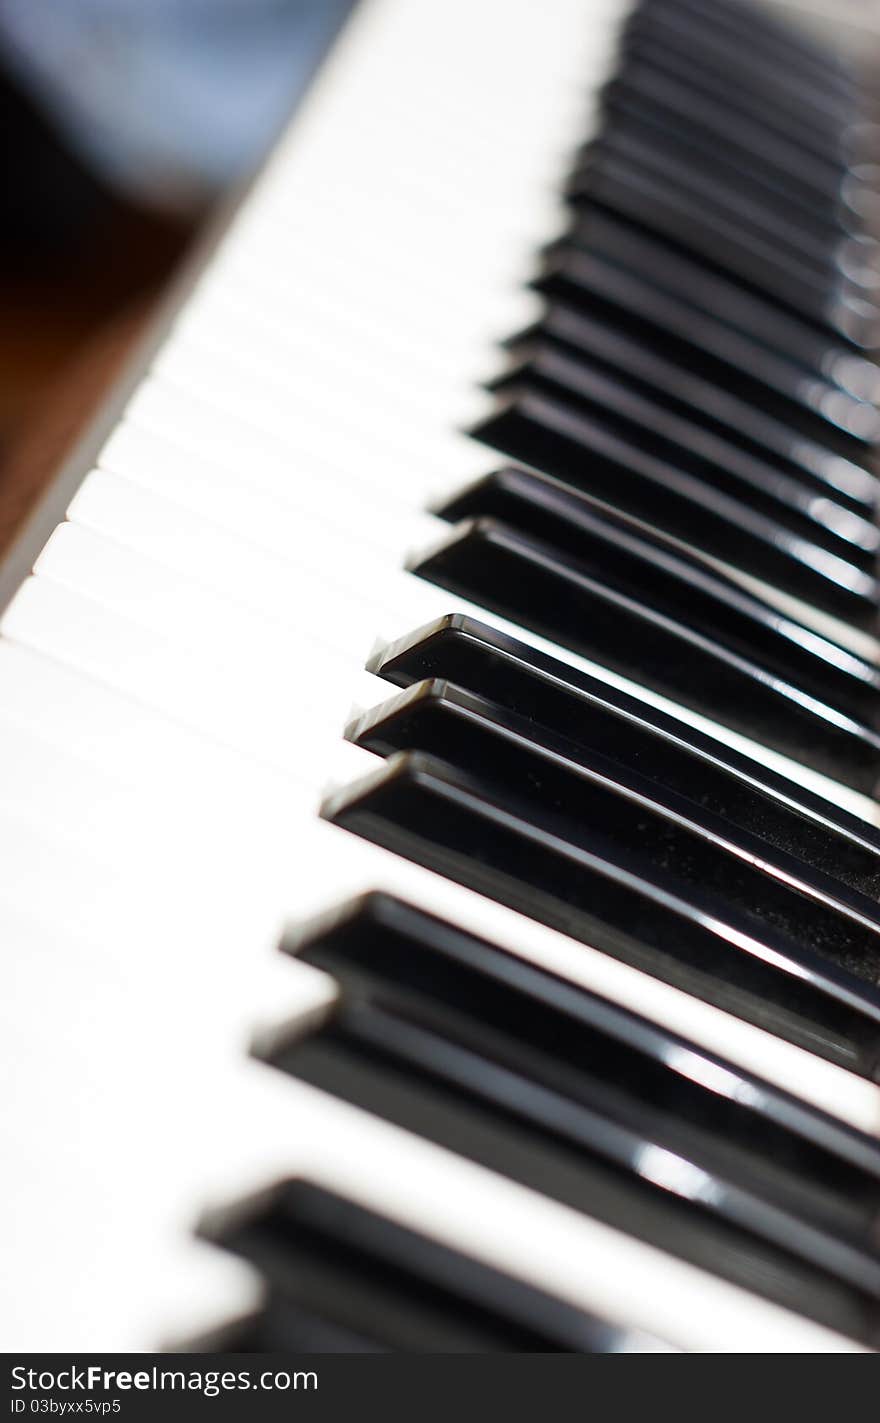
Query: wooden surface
x,y
67,329
59,413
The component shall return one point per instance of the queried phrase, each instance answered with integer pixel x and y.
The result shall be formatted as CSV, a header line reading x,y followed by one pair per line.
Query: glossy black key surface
x,y
283,1328
356,1277
662,434
803,111
650,202
703,402
671,577
824,249
594,806
537,587
570,710
625,1068
812,181
749,225
695,282
695,340
812,84
435,815
653,827
466,1091
626,105
581,450
705,88
751,29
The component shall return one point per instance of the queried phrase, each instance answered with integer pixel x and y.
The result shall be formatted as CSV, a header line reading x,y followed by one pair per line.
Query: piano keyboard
x,y
487,615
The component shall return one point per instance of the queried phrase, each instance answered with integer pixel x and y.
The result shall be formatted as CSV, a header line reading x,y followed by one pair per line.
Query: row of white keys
x,y
219,845
45,615
197,965
181,590
228,1127
445,266
254,313
220,378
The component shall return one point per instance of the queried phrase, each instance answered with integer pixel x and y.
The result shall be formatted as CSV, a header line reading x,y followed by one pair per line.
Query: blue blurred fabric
x,y
167,99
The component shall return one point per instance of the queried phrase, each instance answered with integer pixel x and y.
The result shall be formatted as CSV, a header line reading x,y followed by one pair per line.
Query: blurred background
x,y
126,123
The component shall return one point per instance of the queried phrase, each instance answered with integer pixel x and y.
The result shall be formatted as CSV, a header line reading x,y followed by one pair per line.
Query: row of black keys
x,y
577,805
690,427
694,410
507,1065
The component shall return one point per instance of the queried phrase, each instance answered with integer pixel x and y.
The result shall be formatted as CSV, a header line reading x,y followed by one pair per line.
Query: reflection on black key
x,y
812,181
627,1069
659,432
803,114
727,238
541,1095
671,577
615,811
343,1277
697,286
440,818
539,588
568,709
581,450
706,403
753,30
815,86
817,408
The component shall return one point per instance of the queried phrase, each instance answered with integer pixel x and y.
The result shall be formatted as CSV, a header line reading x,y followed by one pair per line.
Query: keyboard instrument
x,y
439,725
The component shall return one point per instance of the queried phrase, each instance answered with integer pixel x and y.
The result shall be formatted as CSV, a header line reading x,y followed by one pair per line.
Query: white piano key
x,y
346,1142
240,571
196,423
324,314
203,695
126,738
187,611
162,1164
333,864
275,351
229,497
250,502
358,437
131,589
151,721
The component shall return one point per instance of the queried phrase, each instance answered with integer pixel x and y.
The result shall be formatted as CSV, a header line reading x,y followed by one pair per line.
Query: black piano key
x,y
812,181
818,113
536,587
281,1327
354,1275
752,29
624,153
814,246
617,815
672,578
436,816
662,434
574,787
569,710
825,355
782,111
625,108
697,341
622,1067
455,1094
703,402
652,204
581,451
